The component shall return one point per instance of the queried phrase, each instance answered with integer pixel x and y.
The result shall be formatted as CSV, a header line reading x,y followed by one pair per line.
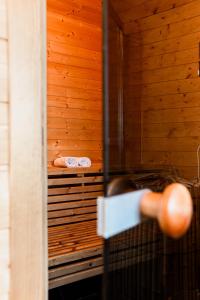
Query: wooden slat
x,y
95,168
166,88
72,9
149,8
57,112
81,196
69,60
164,60
170,158
184,71
167,32
176,14
75,180
75,277
74,204
72,190
74,256
186,100
172,144
74,219
71,212
186,129
187,114
185,42
74,268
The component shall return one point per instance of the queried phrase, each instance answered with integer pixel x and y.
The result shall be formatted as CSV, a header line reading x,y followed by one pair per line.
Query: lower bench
x,y
75,250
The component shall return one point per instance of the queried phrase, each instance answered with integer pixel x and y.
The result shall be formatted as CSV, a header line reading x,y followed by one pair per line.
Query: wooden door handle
x,y
173,209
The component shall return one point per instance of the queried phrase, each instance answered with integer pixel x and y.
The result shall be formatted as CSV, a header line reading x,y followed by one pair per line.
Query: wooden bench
x,y
75,250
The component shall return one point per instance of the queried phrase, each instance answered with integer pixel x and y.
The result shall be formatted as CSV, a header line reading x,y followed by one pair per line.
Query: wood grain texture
x,y
27,92
161,75
74,79
72,237
4,158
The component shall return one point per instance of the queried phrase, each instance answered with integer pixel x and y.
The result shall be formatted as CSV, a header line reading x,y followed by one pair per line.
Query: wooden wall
x,y
4,155
74,79
162,39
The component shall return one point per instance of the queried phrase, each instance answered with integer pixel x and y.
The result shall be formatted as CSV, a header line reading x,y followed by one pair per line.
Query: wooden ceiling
x,y
131,12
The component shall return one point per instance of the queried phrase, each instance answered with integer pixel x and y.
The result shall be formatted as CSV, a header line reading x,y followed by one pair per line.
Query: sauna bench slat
x,y
75,250
96,168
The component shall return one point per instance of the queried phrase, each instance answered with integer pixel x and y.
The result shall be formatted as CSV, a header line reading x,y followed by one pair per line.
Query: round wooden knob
x,y
173,209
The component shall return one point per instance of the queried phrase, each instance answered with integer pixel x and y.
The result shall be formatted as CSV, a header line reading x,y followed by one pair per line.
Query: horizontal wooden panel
x,y
65,81
71,197
186,9
72,190
175,144
85,114
65,24
73,124
162,61
93,104
76,93
80,93
64,48
172,115
73,144
163,74
71,212
69,60
95,168
70,205
76,11
166,46
74,219
148,8
186,129
75,180
169,31
73,71
76,267
84,135
171,101
63,280
165,88
72,36
170,158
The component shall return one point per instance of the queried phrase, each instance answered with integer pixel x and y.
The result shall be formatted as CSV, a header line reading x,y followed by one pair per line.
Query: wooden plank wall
x,y
132,112
162,39
74,79
4,156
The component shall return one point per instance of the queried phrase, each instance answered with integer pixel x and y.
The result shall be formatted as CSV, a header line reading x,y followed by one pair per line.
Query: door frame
x,y
28,150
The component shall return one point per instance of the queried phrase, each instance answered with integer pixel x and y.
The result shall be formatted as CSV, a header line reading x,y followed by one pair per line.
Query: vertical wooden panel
x,y
74,79
27,61
4,158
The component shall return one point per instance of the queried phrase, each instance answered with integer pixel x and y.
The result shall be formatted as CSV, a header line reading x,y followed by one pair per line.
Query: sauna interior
x,y
153,117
